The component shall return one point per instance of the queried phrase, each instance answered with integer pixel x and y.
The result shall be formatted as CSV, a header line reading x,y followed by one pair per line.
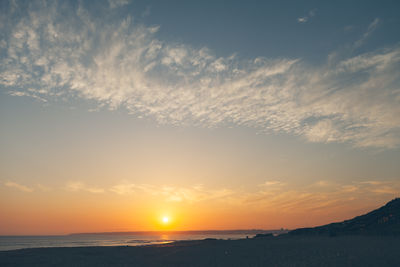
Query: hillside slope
x,y
382,221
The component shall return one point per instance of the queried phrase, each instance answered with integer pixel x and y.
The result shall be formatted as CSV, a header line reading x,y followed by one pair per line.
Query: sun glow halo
x,y
165,219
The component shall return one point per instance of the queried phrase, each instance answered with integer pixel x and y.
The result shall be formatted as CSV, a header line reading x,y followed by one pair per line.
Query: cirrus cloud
x,y
76,186
18,186
54,51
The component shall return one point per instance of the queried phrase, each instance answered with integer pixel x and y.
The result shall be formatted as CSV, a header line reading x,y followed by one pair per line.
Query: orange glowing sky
x,y
113,118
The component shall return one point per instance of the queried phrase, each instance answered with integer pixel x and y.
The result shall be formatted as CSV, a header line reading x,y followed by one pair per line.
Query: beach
x,y
268,251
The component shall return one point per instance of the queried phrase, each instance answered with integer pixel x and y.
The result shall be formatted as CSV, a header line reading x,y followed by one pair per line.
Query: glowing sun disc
x,y
165,219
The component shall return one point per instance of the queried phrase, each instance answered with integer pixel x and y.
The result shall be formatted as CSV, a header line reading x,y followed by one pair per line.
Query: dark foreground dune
x,y
269,251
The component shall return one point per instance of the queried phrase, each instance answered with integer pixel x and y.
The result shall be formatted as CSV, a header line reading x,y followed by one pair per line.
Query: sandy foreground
x,y
270,251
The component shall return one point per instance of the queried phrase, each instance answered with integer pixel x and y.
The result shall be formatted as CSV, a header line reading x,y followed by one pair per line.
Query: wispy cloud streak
x,y
304,19
76,186
18,186
319,196
57,52
370,30
190,194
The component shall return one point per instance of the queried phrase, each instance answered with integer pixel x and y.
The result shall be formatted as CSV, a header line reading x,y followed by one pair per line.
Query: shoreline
x,y
124,238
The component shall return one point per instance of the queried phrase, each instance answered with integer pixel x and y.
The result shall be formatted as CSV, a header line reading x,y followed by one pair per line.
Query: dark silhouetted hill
x,y
382,221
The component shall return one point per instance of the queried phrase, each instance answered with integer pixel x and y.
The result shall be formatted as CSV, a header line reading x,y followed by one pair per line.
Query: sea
x,y
123,238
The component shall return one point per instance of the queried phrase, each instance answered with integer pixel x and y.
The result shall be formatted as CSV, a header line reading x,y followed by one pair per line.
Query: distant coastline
x,y
194,232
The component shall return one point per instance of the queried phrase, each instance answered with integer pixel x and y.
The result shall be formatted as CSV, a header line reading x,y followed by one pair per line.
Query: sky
x,y
215,114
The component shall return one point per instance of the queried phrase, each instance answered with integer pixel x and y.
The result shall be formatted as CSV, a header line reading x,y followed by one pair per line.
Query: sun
x,y
165,220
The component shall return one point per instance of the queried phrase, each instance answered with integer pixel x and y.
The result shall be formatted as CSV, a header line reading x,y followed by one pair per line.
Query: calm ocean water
x,y
120,239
